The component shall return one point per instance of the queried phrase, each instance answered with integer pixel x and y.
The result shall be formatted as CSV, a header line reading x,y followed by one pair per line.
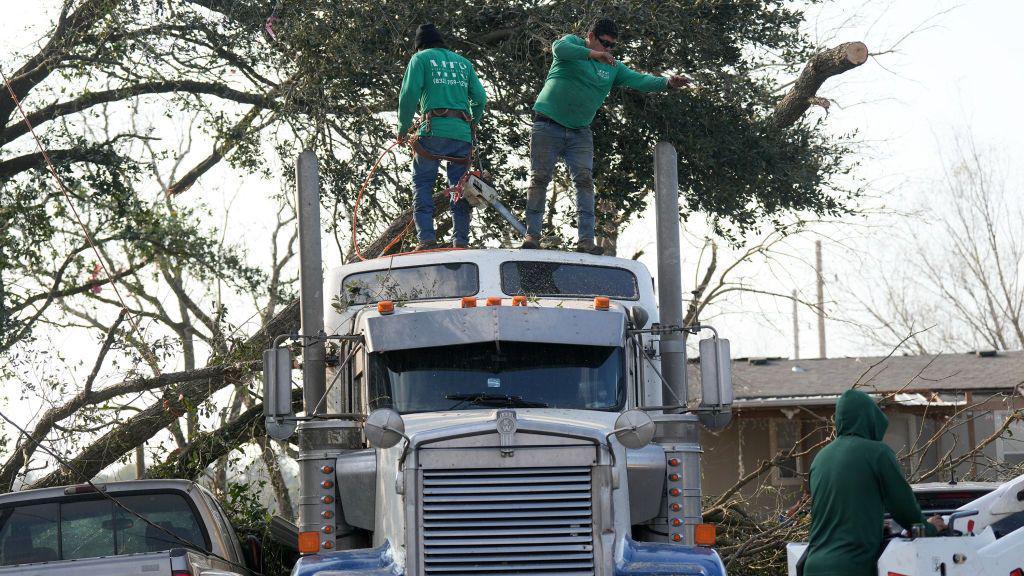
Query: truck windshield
x,y
432,281
90,528
555,279
496,374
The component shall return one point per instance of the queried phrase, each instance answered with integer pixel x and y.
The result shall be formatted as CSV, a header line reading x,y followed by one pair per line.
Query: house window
x,y
784,434
1010,446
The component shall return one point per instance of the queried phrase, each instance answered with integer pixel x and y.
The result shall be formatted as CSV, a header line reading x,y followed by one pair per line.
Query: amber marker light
x,y
704,534
385,307
469,302
494,300
309,542
519,300
602,303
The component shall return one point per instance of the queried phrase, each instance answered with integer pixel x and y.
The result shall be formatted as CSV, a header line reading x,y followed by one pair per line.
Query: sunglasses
x,y
609,44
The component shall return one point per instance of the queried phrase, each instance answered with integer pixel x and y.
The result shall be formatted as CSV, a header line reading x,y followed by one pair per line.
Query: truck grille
x,y
508,521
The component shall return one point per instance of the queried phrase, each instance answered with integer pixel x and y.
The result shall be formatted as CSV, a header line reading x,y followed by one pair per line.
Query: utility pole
x,y
796,328
821,298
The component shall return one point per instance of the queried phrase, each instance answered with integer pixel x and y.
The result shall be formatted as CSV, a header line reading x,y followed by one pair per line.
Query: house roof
x,y
784,378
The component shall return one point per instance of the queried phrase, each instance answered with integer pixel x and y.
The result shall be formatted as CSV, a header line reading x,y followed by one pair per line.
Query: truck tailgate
x,y
149,564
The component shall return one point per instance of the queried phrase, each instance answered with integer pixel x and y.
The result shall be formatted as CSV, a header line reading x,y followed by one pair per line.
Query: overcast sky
x,y
948,68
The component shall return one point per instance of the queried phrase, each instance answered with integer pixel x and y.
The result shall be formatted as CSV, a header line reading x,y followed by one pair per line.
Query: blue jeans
x,y
424,175
548,143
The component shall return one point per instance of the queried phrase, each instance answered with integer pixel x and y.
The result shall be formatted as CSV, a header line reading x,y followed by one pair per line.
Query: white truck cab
x,y
495,411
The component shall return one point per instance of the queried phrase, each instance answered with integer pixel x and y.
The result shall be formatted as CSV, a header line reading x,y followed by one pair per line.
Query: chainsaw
x,y
480,192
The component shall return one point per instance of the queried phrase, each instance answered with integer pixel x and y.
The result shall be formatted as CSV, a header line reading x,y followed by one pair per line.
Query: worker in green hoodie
x,y
445,88
854,480
582,74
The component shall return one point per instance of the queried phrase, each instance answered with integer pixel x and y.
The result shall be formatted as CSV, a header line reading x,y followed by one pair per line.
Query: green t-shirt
x,y
576,86
853,481
440,78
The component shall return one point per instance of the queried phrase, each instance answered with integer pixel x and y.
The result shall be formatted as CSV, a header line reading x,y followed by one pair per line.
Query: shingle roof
x,y
944,372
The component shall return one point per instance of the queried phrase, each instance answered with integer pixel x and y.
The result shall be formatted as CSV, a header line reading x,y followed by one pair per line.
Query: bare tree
x,y
962,274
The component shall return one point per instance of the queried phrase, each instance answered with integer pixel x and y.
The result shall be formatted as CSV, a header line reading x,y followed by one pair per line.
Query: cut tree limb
x,y
820,67
204,383
210,446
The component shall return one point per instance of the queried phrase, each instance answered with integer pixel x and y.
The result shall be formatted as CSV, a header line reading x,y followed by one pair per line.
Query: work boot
x,y
530,243
589,247
426,245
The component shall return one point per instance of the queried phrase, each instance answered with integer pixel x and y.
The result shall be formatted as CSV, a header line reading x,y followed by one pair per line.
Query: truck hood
x,y
599,423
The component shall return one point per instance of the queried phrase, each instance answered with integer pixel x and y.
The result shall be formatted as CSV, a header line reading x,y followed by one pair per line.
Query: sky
x,y
940,68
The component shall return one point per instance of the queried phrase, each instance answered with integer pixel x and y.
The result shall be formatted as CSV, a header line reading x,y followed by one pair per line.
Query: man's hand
x,y
677,81
937,521
402,138
605,57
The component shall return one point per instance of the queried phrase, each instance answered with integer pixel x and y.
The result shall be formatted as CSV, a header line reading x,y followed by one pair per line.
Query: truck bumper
x,y
362,562
638,559
657,559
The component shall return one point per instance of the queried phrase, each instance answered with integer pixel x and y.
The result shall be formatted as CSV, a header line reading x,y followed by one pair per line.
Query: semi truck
x,y
497,411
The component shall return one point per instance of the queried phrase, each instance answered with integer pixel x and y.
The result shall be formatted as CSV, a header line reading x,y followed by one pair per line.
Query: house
x,y
780,403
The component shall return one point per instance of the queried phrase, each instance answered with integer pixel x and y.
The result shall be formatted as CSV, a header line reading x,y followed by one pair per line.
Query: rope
x,y
85,230
455,192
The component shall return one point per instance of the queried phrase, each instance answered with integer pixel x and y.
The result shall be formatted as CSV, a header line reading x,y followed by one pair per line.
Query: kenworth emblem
x,y
506,425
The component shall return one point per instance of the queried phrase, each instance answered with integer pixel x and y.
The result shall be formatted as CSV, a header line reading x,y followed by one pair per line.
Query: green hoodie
x,y
440,78
853,481
576,86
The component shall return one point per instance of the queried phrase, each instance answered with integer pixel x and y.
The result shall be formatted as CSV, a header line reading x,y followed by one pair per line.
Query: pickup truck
x,y
133,528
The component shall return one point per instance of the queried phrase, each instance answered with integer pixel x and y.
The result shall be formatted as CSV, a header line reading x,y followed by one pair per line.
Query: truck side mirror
x,y
384,428
715,382
638,317
634,429
277,393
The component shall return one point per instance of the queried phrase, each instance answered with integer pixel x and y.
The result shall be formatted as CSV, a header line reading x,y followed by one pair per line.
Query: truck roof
x,y
489,279
489,256
108,487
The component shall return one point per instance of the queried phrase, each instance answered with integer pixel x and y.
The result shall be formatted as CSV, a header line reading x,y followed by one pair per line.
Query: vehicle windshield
x,y
498,374
94,526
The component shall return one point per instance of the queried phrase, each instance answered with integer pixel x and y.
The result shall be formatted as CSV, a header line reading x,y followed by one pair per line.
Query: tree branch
x,y
819,68
18,128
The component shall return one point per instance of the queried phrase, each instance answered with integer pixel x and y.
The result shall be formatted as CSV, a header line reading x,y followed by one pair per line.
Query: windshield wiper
x,y
500,400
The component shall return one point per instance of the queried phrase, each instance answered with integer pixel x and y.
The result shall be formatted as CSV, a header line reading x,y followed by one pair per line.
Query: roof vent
x,y
985,353
757,361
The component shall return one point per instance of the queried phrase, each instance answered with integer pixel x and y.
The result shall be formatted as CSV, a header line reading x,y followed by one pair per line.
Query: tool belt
x,y
448,113
444,113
